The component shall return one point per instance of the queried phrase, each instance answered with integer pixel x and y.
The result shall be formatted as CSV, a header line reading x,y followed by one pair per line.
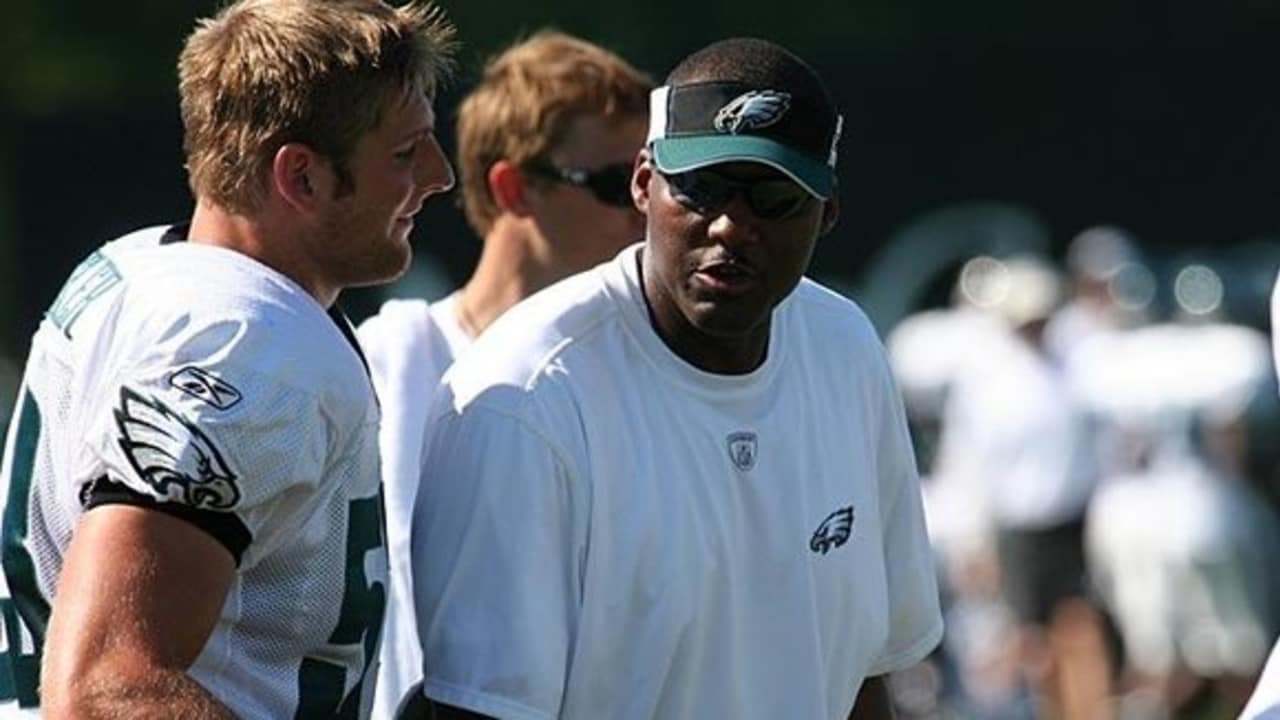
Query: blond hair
x,y
527,98
263,73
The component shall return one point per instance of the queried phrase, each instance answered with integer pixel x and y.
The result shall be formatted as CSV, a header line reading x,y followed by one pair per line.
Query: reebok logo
x,y
201,385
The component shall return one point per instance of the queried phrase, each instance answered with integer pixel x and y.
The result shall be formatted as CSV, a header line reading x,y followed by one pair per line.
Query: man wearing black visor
x,y
680,485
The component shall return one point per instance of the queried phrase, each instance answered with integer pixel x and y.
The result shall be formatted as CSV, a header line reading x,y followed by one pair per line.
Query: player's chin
x,y
388,265
728,319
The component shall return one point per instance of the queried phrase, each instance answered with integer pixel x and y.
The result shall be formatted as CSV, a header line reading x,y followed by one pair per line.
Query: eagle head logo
x,y
752,111
833,532
172,455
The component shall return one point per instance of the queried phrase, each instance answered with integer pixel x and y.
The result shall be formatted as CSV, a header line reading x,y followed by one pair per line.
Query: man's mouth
x,y
730,275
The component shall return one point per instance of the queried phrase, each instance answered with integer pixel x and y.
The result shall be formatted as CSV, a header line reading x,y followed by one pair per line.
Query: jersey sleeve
x,y
497,543
203,427
915,619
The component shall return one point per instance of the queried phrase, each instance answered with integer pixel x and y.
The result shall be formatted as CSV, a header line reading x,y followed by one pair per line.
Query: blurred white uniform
x,y
193,380
1013,429
409,345
1182,555
1265,703
605,531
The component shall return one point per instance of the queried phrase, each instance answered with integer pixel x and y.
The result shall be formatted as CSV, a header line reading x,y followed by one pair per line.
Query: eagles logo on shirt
x,y
752,111
833,532
173,456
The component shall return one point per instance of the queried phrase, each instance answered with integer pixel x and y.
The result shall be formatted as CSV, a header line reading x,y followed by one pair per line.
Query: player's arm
x,y
139,595
873,701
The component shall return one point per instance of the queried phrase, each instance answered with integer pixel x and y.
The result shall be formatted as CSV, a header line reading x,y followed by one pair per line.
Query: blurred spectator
x,y
1109,289
1179,539
1013,429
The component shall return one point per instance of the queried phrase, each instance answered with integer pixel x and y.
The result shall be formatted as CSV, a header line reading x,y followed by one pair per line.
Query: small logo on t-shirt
x,y
833,532
201,385
742,450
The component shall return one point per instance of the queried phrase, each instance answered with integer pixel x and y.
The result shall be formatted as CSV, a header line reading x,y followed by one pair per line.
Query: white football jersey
x,y
194,380
605,531
409,345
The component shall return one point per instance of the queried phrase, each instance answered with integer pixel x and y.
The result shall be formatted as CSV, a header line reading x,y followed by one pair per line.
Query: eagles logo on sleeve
x,y
752,111
173,456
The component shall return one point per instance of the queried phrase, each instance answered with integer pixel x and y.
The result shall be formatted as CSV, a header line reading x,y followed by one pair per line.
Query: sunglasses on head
x,y
706,191
610,184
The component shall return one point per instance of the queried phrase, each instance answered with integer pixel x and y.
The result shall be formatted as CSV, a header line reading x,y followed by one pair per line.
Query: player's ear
x,y
640,179
507,186
300,175
830,213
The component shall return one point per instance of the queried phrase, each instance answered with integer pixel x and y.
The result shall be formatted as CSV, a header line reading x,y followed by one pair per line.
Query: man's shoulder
x,y
829,310
528,343
398,319
409,343
219,308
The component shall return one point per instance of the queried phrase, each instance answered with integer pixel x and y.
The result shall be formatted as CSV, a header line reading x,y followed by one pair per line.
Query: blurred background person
x,y
546,144
1019,442
1105,290
1180,531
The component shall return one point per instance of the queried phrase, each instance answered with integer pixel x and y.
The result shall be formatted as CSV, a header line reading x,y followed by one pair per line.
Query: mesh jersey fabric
x,y
194,375
603,530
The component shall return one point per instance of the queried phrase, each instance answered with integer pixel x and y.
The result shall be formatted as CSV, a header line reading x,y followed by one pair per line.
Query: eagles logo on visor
x,y
752,110
700,124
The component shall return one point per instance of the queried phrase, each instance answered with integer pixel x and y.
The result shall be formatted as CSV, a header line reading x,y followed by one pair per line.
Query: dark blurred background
x,y
1160,118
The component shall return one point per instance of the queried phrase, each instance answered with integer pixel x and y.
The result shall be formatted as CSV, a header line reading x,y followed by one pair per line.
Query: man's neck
x,y
255,237
514,264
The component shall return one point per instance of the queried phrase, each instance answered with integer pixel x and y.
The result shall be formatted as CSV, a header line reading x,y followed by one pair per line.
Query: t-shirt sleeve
x,y
196,427
496,554
915,620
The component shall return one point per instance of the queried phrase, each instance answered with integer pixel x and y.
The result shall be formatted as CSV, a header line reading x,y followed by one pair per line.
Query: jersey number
x,y
321,684
24,614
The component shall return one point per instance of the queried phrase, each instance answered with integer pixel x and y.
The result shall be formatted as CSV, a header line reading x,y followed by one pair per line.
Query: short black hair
x,y
758,63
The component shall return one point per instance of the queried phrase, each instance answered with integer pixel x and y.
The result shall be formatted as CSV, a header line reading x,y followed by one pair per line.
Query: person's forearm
x,y
163,693
873,701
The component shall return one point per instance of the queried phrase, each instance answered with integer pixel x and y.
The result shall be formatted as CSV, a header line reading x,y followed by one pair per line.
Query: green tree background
x,y
1160,117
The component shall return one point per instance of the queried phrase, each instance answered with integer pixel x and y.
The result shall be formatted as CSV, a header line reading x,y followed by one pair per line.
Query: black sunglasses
x,y
706,191
610,184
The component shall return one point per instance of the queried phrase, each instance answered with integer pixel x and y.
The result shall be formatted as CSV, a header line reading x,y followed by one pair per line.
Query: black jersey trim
x,y
340,318
226,528
176,233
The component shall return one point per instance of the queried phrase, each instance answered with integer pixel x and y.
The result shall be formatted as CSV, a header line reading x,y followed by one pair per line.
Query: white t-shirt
x,y
193,379
1265,702
409,345
605,531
